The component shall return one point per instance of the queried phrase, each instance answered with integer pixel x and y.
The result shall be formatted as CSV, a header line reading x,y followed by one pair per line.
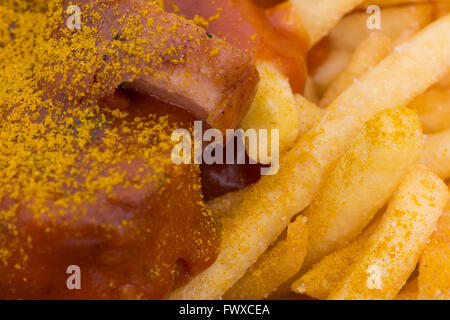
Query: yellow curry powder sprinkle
x,y
58,147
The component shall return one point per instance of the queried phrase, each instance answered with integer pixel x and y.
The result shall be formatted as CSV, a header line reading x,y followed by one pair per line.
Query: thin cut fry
x,y
352,194
436,154
275,266
434,266
371,51
398,23
320,16
433,108
392,252
310,114
445,82
385,3
442,8
330,69
409,291
268,206
221,205
274,107
311,91
326,275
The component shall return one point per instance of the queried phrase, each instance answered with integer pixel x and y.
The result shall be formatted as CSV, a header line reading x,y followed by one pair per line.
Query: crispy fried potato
x,y
274,107
371,51
391,253
409,291
433,108
445,82
363,180
326,275
385,3
349,198
436,154
442,8
221,205
398,23
311,92
434,266
330,69
320,16
275,266
310,114
267,207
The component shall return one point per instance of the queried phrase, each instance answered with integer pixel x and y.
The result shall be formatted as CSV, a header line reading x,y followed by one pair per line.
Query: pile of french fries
x,y
358,209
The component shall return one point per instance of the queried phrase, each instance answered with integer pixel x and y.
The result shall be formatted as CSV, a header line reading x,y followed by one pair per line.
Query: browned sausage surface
x,y
163,55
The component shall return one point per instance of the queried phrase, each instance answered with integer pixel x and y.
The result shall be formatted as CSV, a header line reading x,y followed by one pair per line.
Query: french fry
x,y
434,265
267,207
433,108
445,82
311,91
352,194
398,23
310,114
326,275
274,107
330,69
409,291
436,154
395,135
442,8
392,252
385,3
371,51
221,205
320,16
275,266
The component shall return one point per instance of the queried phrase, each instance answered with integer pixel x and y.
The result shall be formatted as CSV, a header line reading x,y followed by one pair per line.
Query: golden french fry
x,y
445,82
274,107
275,266
311,91
434,266
442,8
310,114
371,51
352,194
433,108
436,154
326,275
221,205
398,23
320,16
385,3
330,69
267,206
409,291
391,253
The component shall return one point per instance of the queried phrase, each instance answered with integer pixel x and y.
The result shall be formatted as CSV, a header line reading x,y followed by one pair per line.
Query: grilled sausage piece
x,y
164,55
